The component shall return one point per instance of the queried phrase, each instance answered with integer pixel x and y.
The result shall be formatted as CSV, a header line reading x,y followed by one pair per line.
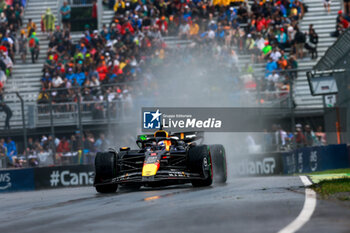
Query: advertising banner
x,y
258,164
16,180
318,158
334,157
63,176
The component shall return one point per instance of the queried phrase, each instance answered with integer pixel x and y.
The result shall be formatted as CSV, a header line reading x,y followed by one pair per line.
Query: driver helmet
x,y
161,143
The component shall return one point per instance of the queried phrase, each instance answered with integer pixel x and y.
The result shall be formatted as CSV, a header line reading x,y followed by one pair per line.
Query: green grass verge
x,y
337,188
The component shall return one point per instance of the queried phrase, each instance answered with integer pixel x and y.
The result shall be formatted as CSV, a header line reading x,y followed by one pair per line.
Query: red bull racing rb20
x,y
162,159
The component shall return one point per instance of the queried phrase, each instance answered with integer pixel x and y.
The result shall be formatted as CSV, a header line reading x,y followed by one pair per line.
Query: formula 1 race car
x,y
162,159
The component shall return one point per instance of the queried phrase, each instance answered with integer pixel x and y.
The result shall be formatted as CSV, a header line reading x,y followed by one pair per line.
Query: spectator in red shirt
x,y
102,71
260,24
63,146
127,27
94,10
343,22
162,25
299,136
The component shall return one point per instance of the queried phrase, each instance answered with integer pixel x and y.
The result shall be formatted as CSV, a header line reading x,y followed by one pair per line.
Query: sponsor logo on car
x,y
178,174
205,162
121,178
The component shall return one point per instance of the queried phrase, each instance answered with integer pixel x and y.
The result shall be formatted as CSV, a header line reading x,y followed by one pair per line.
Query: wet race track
x,y
259,204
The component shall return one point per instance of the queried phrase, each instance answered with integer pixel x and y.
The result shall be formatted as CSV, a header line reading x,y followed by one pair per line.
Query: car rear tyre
x,y
199,159
105,169
219,163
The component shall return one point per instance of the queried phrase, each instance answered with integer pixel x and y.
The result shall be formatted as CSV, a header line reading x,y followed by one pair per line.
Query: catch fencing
x,y
69,113
49,110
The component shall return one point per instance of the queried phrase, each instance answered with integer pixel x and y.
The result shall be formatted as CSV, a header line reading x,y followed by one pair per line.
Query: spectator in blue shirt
x,y
187,13
65,13
111,76
270,67
70,75
80,77
235,24
102,143
105,33
11,149
213,26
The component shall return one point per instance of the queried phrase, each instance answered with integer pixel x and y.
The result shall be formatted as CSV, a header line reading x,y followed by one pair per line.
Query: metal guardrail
x,y
80,3
99,14
3,163
90,111
47,158
59,16
337,51
63,113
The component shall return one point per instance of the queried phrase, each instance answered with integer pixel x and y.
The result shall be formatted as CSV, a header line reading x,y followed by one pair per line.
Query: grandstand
x,y
324,25
26,77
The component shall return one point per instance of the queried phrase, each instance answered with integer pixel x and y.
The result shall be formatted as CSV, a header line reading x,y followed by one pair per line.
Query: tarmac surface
x,y
253,204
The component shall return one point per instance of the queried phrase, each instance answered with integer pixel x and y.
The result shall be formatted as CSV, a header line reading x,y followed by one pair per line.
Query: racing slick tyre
x,y
218,156
105,169
199,159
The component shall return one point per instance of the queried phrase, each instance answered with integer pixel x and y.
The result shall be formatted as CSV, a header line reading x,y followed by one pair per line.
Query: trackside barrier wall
x,y
17,180
46,177
63,176
302,160
317,158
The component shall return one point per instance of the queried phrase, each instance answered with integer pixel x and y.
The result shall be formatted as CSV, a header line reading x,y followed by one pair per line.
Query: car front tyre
x,y
105,169
200,162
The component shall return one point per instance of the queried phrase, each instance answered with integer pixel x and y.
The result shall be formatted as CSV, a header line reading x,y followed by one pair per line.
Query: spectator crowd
x,y
11,13
279,139
10,21
48,150
105,64
342,21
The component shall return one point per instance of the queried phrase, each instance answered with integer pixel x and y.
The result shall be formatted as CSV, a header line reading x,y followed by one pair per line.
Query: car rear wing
x,y
184,136
189,136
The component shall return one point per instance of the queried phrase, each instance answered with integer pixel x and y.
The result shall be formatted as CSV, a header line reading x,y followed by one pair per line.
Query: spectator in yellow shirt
x,y
194,28
119,6
31,27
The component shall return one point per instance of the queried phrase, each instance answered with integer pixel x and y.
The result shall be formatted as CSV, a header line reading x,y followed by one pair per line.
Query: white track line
x,y
306,212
